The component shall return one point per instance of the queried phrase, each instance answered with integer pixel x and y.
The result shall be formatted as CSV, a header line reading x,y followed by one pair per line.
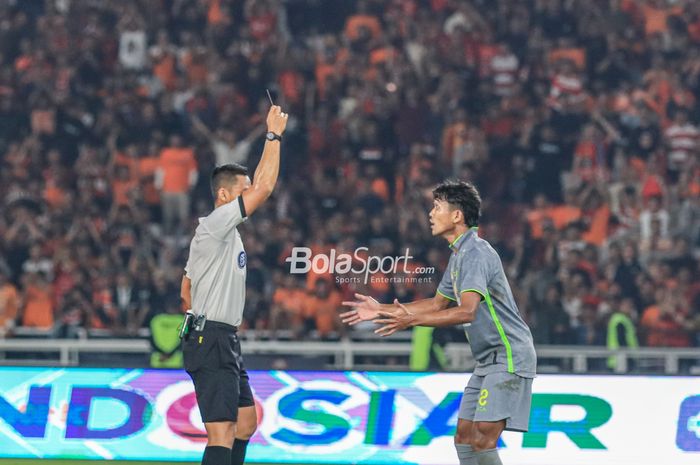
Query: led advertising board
x,y
344,417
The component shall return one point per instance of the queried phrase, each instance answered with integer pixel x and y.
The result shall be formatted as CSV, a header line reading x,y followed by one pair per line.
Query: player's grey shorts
x,y
498,396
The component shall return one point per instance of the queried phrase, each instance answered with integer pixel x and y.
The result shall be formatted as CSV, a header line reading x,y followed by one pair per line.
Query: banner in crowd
x,y
344,417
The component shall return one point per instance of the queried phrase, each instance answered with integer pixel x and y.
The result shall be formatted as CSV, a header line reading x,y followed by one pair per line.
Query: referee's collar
x,y
457,243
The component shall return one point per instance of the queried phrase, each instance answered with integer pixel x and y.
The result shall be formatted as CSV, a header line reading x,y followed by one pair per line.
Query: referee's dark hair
x,y
225,175
462,195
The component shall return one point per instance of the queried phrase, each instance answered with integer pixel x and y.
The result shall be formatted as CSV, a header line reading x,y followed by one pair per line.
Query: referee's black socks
x,y
238,451
216,455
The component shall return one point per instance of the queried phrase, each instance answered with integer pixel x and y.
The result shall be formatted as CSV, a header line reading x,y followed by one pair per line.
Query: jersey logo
x,y
242,260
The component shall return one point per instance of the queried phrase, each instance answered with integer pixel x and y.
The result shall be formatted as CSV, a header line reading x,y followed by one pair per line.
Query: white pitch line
x,y
15,394
21,441
285,378
99,450
126,377
364,382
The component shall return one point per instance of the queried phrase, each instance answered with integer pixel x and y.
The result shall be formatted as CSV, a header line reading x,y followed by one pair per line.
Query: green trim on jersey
x,y
483,297
502,333
455,241
446,296
499,326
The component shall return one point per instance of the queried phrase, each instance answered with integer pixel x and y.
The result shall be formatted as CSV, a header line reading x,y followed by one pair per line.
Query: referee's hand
x,y
276,120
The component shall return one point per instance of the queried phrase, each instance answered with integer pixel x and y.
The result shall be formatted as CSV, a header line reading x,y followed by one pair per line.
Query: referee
x,y
214,288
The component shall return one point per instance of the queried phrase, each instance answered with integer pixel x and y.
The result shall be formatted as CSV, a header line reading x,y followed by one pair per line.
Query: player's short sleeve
x,y
187,270
475,275
224,219
445,287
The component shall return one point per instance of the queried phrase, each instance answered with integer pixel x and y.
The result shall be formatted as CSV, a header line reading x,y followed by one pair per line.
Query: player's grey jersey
x,y
217,265
499,338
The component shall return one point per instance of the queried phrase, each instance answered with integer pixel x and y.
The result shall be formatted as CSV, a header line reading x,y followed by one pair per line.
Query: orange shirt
x,y
312,276
577,55
43,121
38,311
598,231
399,190
694,31
324,311
291,83
585,159
177,163
164,70
23,62
486,53
536,218
652,186
195,68
355,22
102,298
380,55
9,300
323,72
54,195
132,164
120,190
215,14
453,136
291,300
655,19
381,188
563,215
147,169
663,332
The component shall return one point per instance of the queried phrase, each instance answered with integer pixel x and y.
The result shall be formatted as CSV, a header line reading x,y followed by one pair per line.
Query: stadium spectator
x,y
176,175
37,310
322,309
9,304
664,323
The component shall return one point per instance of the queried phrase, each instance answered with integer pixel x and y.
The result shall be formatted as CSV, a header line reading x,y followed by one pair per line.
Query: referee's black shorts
x,y
213,360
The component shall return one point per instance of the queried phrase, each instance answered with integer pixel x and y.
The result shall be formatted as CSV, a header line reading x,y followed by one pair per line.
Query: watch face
x,y
270,136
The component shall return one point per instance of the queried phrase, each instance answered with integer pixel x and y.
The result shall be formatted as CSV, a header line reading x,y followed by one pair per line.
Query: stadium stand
x,y
576,119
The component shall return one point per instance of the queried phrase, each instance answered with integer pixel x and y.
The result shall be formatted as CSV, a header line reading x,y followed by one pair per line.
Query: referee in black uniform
x,y
214,288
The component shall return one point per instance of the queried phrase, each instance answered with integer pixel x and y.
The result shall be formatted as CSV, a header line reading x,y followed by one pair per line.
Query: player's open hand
x,y
365,308
394,321
276,120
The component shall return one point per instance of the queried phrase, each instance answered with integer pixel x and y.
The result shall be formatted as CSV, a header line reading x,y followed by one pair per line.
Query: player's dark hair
x,y
225,175
462,195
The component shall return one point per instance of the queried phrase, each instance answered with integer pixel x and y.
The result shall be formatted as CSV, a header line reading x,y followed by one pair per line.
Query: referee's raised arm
x,y
266,173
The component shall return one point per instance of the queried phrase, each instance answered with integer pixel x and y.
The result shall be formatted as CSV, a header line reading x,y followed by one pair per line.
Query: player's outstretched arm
x,y
266,173
403,318
366,308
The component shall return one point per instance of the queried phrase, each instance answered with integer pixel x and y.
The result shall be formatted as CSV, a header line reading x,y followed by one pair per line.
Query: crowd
x,y
577,120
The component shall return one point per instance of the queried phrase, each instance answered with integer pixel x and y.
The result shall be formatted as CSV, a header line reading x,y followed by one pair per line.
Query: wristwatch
x,y
272,136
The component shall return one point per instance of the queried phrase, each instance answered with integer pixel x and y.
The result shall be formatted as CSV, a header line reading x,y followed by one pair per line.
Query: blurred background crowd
x,y
577,120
